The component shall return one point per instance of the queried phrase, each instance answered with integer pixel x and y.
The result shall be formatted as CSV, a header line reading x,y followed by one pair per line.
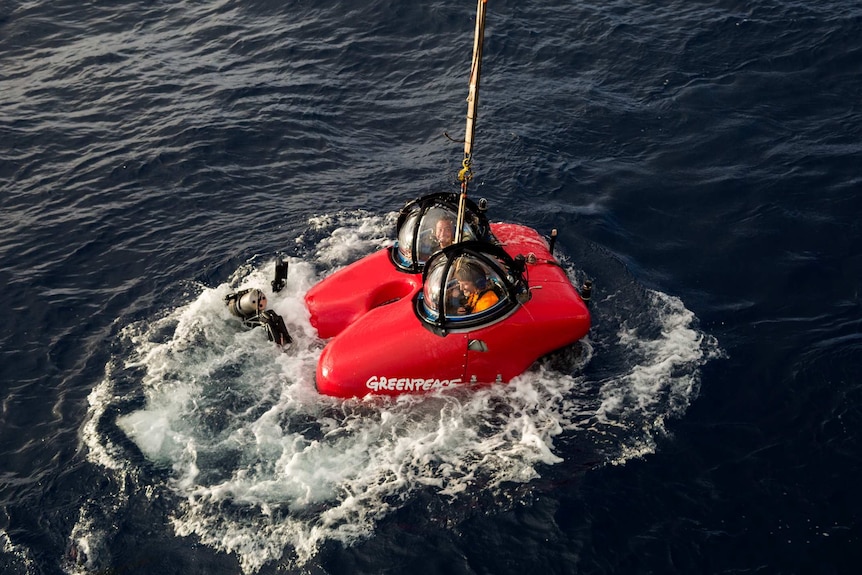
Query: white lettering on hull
x,y
412,384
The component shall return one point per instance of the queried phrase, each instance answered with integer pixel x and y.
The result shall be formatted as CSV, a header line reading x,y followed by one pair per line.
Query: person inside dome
x,y
477,293
444,231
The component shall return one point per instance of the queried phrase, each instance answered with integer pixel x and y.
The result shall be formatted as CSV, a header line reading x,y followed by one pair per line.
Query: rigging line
x,y
466,172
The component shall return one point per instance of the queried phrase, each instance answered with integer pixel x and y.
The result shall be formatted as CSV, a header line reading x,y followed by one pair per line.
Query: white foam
x,y
100,449
352,234
263,464
87,552
17,557
662,374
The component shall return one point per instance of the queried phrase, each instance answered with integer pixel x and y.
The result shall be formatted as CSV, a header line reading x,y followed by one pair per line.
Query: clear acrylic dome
x,y
470,284
428,225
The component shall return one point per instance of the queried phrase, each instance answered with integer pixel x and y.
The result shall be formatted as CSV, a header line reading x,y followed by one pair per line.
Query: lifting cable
x,y
466,173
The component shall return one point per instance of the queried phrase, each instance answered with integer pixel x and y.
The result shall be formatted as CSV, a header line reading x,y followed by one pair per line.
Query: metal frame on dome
x,y
412,260
510,278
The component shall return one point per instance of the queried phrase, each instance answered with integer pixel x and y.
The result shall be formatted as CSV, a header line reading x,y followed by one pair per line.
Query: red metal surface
x,y
379,346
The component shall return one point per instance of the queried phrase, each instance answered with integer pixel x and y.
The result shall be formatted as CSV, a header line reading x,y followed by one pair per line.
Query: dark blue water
x,y
700,159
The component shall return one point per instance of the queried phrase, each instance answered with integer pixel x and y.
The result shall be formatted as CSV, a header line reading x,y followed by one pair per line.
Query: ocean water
x,y
701,161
